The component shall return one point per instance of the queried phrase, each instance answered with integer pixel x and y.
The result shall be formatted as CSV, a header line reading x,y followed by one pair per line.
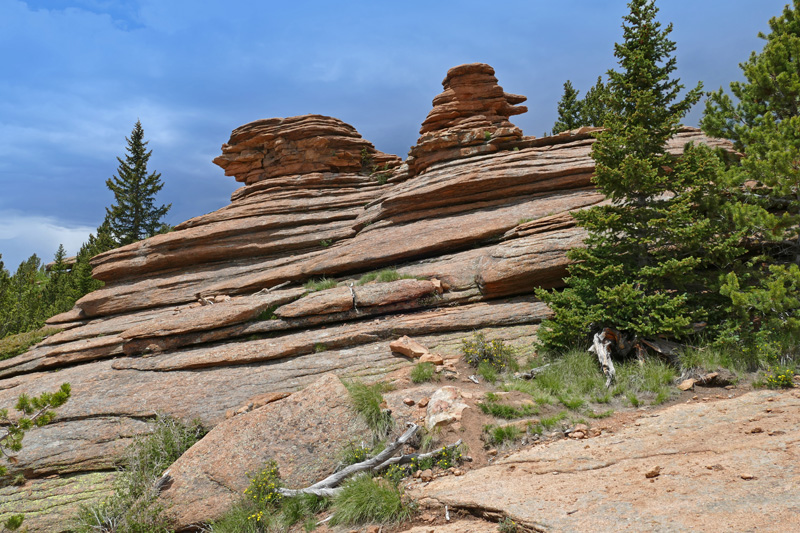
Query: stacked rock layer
x,y
198,322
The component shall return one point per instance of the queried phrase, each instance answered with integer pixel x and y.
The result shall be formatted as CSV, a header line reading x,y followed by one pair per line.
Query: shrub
x,y
368,402
367,500
264,490
133,506
422,372
496,353
780,377
507,525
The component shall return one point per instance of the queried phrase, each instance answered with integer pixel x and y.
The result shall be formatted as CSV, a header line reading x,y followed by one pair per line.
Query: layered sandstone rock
x,y
469,117
200,321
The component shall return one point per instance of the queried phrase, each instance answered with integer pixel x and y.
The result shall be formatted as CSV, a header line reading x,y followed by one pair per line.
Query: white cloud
x,y
22,235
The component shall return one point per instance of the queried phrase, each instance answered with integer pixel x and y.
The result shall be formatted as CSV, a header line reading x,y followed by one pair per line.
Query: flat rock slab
x,y
50,504
305,433
729,465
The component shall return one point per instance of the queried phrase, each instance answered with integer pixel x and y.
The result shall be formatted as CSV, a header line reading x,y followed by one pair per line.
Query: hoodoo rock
x,y
469,117
198,322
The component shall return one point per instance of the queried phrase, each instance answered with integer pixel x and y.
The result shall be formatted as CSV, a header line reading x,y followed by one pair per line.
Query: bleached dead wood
x,y
601,346
329,486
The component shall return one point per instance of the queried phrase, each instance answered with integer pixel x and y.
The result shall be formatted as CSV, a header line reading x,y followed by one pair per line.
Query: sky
x,y
76,75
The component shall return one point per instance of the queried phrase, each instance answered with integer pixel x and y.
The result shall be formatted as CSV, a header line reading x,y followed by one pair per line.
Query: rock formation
x,y
198,322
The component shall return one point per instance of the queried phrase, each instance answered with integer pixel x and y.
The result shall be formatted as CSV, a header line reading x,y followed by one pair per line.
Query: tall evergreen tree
x,y
569,110
134,216
594,106
764,124
642,271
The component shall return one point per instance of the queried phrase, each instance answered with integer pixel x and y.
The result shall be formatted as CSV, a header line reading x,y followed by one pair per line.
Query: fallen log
x,y
601,346
329,486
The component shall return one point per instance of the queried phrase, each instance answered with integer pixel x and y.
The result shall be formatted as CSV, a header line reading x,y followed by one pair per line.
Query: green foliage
x,y
496,354
325,243
506,525
268,313
321,284
569,110
499,435
366,500
36,411
264,490
487,135
320,347
645,268
594,106
780,377
133,508
134,215
764,125
368,402
493,407
355,453
384,276
423,372
19,343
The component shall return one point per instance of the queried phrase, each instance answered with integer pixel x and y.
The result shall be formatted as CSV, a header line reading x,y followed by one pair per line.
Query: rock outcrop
x,y
200,321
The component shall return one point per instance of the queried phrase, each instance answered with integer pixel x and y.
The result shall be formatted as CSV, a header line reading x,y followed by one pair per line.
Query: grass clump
x,y
499,435
384,276
498,410
268,313
368,402
14,345
495,354
507,525
314,285
423,372
133,506
366,500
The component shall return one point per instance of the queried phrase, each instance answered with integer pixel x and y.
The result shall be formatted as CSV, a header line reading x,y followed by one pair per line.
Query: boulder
x,y
304,433
444,407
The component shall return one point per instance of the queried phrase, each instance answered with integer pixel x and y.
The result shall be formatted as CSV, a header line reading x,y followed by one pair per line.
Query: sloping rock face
x,y
200,321
667,472
305,434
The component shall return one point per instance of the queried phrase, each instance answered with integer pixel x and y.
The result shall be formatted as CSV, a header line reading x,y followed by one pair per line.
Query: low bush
x,y
495,354
498,410
133,506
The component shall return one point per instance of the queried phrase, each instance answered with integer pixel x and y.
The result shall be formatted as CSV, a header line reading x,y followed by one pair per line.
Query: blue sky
x,y
78,74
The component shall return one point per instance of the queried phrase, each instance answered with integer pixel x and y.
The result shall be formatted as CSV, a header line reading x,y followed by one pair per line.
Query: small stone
x,y
577,435
408,401
434,358
492,452
423,402
594,432
458,472
694,397
756,430
373,529
687,384
655,472
747,476
426,475
417,474
730,387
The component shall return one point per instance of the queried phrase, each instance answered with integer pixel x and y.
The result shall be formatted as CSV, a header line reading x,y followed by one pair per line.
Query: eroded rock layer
x,y
198,322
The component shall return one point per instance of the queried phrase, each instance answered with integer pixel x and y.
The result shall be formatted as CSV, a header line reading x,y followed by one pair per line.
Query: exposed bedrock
x,y
199,321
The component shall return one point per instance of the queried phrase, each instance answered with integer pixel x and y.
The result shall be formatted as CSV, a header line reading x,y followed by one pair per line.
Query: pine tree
x,y
569,110
134,216
594,106
764,124
643,271
58,294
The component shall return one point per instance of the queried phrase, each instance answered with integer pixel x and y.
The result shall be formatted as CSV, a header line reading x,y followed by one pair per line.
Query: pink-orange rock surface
x,y
199,321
